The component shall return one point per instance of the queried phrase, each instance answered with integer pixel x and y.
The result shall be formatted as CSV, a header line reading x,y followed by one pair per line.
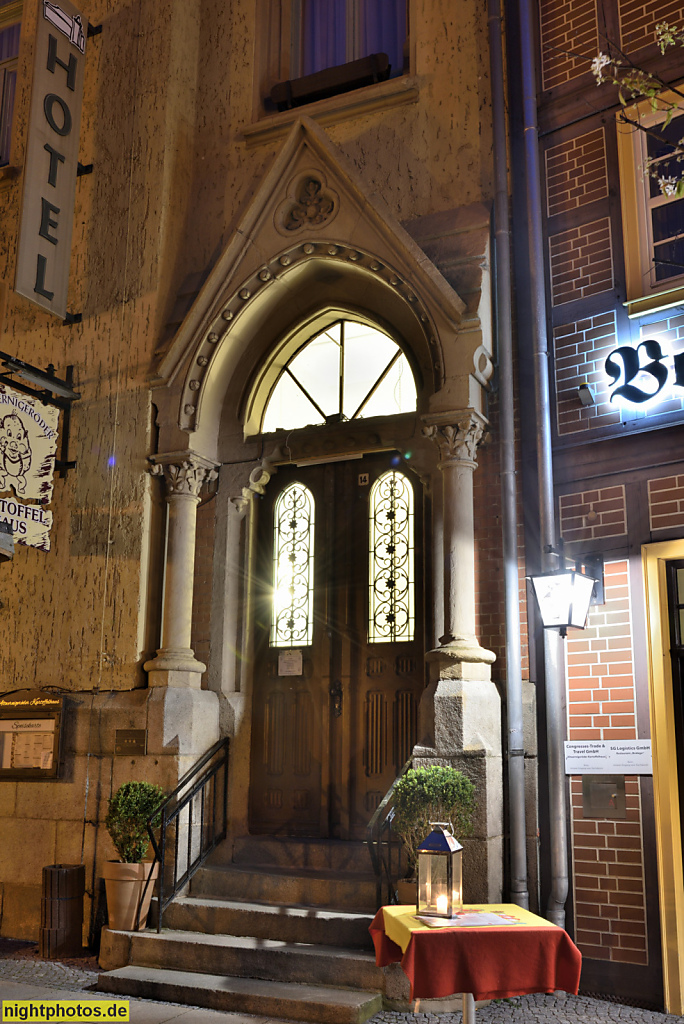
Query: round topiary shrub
x,y
430,794
126,821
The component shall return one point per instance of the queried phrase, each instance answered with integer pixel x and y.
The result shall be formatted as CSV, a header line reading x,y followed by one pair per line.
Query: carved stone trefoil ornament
x,y
309,204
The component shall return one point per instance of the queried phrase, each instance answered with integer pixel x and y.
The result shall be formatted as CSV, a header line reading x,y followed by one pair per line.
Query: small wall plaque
x,y
603,796
290,663
130,741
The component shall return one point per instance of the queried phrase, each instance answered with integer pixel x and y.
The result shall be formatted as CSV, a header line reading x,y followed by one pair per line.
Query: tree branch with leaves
x,y
636,85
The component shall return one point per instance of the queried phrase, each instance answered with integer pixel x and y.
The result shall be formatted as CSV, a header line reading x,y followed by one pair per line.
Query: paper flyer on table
x,y
468,919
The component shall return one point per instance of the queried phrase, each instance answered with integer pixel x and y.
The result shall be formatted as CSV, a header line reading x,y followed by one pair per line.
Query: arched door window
x,y
391,589
349,371
293,566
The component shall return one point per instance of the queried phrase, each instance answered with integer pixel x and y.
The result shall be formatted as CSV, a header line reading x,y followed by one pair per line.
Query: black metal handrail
x,y
385,852
207,784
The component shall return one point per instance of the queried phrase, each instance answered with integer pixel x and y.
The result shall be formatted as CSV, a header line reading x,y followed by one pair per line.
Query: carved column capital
x,y
458,438
185,476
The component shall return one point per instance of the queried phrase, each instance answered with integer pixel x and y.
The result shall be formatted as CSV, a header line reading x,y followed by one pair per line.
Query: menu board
x,y
29,734
27,743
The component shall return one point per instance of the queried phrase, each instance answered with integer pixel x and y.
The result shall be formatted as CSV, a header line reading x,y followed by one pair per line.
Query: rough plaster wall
x,y
422,158
85,601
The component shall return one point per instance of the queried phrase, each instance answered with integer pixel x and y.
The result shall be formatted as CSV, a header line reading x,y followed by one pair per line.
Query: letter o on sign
x,y
48,106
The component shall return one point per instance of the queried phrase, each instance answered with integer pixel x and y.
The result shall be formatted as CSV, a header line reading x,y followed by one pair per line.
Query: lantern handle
x,y
443,825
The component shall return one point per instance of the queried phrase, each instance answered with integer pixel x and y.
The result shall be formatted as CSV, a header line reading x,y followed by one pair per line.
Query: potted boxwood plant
x,y
126,822
429,794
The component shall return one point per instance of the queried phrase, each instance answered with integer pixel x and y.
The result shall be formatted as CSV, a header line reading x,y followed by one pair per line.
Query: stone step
x,y
331,889
243,957
310,854
292,1001
267,921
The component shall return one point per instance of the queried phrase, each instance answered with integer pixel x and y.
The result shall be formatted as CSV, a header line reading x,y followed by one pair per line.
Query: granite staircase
x,y
275,927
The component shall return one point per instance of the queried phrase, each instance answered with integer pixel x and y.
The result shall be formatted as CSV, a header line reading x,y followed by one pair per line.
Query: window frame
x,y
282,367
275,62
10,14
407,565
644,294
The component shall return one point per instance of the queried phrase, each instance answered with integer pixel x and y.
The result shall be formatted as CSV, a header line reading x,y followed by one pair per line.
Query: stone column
x,y
175,663
228,594
457,445
460,712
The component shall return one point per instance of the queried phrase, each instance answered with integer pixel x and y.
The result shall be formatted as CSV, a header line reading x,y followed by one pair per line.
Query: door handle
x,y
336,694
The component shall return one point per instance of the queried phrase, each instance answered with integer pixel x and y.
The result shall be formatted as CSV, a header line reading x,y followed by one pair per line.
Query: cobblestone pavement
x,y
28,969
539,1009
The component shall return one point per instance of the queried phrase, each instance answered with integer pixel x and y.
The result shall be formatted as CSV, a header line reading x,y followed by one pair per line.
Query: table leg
x,y
468,1008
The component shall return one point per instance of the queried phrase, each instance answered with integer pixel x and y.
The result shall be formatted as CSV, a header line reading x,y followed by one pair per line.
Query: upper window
x,y
10,27
333,46
349,371
326,33
653,221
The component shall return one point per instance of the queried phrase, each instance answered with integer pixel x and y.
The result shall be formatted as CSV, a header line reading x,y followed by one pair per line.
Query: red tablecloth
x,y
490,962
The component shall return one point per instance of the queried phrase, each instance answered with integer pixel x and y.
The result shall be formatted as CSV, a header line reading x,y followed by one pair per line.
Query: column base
x,y
461,657
175,667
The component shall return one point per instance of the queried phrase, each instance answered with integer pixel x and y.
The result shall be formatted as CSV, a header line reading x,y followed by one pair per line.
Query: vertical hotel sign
x,y
51,163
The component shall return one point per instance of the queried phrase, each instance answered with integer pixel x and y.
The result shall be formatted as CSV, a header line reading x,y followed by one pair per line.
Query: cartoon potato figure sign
x,y
28,443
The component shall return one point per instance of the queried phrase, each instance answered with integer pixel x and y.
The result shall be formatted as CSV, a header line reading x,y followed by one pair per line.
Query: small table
x,y
526,955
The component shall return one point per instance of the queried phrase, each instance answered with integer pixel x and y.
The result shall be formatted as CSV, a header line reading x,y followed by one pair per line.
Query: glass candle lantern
x,y
440,873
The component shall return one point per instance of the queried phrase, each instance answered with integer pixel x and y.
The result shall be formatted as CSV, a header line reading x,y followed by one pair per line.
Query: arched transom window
x,y
349,371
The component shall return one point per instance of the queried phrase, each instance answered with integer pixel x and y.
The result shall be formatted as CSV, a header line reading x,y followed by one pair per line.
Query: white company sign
x,y
608,757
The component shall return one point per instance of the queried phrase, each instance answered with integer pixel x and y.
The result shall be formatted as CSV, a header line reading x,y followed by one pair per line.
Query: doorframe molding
x,y
666,780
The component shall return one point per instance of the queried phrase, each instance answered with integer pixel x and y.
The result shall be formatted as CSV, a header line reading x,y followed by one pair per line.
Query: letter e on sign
x,y
51,165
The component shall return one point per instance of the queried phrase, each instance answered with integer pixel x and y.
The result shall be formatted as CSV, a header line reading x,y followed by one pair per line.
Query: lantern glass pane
x,y
554,594
583,588
457,881
433,885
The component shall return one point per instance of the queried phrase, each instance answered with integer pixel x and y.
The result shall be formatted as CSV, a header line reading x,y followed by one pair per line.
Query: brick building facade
x,y
617,468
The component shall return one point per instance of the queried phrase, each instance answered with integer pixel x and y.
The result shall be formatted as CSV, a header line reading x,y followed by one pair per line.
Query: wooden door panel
x,y
327,745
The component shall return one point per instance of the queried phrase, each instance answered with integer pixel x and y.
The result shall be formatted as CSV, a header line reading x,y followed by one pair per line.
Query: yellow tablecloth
x,y
400,921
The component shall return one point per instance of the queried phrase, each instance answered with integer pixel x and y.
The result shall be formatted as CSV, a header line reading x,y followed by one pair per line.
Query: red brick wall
x,y
204,560
610,920
567,26
666,503
589,515
576,172
580,349
581,261
638,20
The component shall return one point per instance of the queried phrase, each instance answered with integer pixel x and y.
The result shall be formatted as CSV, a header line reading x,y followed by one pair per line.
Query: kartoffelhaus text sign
x,y
51,165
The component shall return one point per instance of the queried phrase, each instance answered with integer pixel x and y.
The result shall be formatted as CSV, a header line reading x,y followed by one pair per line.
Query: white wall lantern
x,y
563,597
440,872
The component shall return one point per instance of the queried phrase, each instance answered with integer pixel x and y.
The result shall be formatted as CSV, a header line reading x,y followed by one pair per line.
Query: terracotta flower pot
x,y
124,884
406,891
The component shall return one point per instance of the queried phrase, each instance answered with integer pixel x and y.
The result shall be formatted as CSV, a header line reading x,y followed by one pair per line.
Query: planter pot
x,y
406,891
124,884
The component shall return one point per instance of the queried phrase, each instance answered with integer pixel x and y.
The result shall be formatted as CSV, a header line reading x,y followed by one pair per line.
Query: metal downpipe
x,y
502,260
554,683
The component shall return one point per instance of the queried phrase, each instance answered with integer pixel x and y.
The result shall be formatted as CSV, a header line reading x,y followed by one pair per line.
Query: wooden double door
x,y
338,671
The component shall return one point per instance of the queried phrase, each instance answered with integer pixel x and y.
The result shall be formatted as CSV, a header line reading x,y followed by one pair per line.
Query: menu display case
x,y
30,734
